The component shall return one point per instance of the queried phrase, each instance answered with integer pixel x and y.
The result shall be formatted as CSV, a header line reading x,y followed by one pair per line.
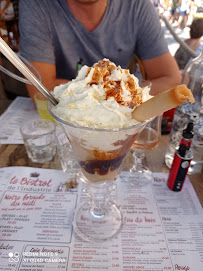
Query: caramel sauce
x,y
96,77
102,71
101,155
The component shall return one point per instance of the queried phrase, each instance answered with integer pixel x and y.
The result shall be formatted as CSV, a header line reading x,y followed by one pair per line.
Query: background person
x,y
55,35
8,16
177,12
196,32
184,13
4,4
174,5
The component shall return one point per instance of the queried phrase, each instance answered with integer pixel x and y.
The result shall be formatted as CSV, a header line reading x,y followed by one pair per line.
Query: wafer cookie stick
x,y
163,102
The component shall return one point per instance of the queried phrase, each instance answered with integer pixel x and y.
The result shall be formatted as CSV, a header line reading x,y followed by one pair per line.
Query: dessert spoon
x,y
17,62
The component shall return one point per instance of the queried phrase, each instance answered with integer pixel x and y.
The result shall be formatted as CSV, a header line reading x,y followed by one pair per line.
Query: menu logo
x,y
13,257
179,267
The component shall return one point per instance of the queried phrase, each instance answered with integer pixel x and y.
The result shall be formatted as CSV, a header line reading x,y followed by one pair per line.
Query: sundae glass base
x,y
98,219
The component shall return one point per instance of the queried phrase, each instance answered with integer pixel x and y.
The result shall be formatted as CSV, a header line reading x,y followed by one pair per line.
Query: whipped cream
x,y
103,96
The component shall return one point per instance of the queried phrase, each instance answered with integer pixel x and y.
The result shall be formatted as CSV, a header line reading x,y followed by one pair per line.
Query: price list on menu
x,y
162,230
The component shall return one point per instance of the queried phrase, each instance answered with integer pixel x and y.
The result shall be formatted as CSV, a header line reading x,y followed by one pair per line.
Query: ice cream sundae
x,y
103,98
97,110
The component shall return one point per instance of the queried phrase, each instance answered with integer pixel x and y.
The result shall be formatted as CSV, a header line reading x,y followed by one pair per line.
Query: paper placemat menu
x,y
21,110
162,230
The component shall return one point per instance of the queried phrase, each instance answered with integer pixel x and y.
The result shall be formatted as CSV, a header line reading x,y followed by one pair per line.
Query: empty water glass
x,y
40,140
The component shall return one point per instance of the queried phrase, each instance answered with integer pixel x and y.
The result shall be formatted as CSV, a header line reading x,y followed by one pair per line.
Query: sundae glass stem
x,y
98,207
100,198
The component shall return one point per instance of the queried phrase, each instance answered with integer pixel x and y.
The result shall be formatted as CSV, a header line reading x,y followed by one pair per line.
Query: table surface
x,y
15,155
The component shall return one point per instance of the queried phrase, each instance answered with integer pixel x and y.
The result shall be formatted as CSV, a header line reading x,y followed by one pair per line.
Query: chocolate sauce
x,y
101,167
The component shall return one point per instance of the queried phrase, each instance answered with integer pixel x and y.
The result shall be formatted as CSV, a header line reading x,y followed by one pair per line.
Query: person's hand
x,y
1,12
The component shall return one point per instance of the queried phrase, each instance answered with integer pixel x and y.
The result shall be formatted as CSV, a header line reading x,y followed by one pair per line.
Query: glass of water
x,y
39,137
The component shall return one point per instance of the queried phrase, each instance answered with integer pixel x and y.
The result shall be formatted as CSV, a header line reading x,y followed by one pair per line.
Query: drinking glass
x,y
147,139
100,153
41,105
39,139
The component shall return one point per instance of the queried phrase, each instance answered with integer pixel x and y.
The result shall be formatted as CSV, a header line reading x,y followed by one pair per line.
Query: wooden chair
x,y
134,64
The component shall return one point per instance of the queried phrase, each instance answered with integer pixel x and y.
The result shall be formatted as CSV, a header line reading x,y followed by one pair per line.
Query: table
x,y
162,230
15,155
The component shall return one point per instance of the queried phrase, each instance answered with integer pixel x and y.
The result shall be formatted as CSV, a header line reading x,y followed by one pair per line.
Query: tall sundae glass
x,y
100,153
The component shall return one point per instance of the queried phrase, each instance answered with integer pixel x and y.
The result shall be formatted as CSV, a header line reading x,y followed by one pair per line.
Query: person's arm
x,y
152,49
48,75
163,72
